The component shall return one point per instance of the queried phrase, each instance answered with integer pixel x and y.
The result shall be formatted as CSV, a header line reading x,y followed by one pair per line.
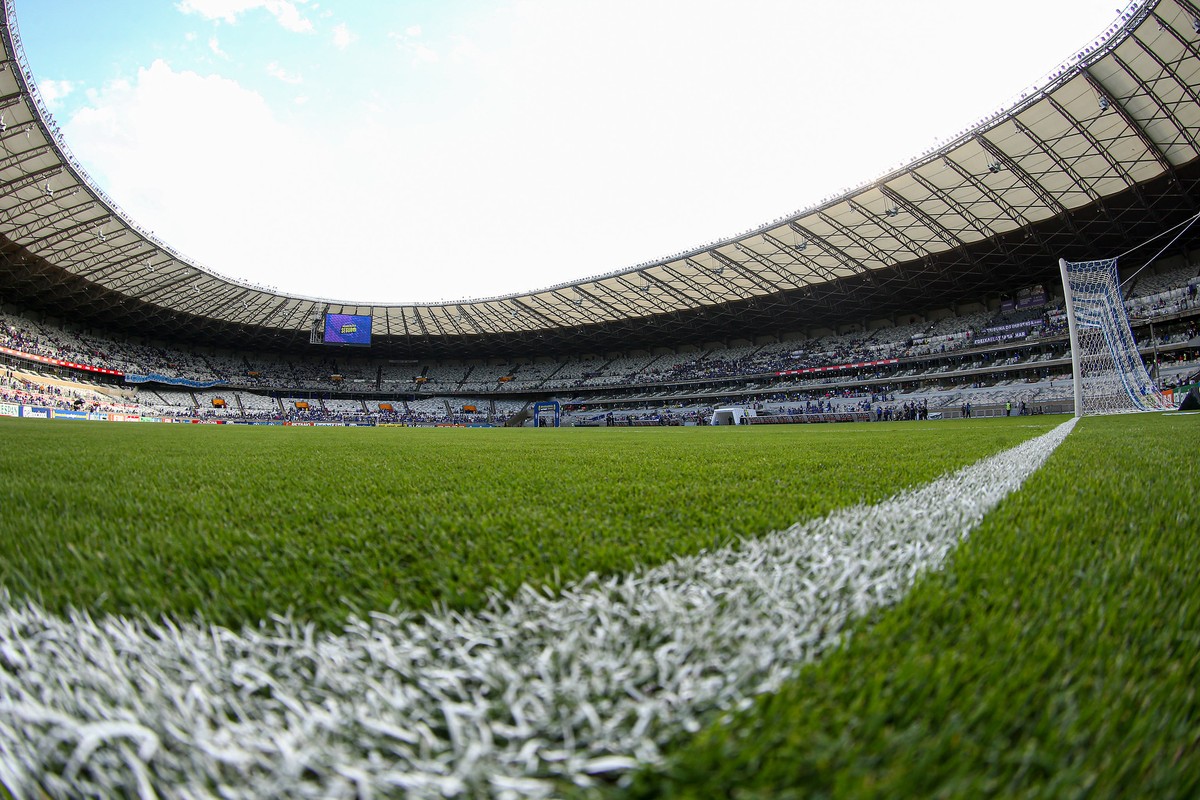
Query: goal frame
x,y
1118,339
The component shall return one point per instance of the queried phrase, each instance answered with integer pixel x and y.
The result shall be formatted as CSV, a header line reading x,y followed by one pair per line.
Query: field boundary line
x,y
502,702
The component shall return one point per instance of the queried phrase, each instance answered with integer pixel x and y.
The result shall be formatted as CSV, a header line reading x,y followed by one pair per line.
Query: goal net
x,y
1110,377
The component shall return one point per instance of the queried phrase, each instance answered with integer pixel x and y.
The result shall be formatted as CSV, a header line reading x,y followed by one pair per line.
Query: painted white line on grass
x,y
499,703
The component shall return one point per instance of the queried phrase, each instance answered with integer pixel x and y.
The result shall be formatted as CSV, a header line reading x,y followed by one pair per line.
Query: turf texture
x,y
233,524
1058,655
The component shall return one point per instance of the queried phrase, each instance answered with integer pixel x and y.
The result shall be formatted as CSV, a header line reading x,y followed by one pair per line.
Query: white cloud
x,y
610,124
54,91
215,46
284,11
276,71
204,163
343,37
408,41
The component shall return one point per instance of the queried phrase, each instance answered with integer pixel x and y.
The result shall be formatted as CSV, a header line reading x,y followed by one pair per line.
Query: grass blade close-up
x,y
1053,653
1057,655
232,525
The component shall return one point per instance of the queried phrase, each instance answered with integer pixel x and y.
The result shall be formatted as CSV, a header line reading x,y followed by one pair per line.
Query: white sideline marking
x,y
501,702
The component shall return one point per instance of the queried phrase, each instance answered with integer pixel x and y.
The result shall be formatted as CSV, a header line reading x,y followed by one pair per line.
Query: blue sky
x,y
420,151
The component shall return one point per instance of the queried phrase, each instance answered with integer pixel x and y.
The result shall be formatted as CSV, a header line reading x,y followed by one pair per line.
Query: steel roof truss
x,y
527,308
38,224
162,285
914,209
25,155
90,242
106,262
1050,201
854,236
798,259
25,206
1100,150
645,291
781,284
1119,108
744,293
48,241
553,315
631,302
1172,76
33,179
848,261
679,295
591,294
484,318
578,303
921,250
103,261
465,314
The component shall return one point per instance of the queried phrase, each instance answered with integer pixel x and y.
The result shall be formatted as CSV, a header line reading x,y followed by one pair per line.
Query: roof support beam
x,y
743,292
527,308
116,252
25,155
882,223
847,260
738,267
940,230
800,260
675,291
26,206
89,243
592,295
645,292
771,265
38,224
161,286
101,262
33,179
856,237
48,241
1173,75
1048,200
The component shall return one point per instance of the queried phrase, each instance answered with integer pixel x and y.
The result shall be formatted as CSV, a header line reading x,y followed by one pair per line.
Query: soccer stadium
x,y
863,502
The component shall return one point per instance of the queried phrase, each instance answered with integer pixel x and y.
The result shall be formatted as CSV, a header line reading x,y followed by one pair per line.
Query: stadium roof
x,y
1096,159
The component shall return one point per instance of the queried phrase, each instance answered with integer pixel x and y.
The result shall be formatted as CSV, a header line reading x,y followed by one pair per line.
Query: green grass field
x,y
235,523
1056,655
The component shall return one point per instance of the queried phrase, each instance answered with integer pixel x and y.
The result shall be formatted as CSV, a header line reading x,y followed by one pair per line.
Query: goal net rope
x,y
1110,376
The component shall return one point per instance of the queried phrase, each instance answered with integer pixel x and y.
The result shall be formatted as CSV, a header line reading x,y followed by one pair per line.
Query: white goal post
x,y
1110,377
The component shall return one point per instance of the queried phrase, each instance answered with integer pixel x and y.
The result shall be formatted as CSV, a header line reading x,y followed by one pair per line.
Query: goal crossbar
x,y
1108,372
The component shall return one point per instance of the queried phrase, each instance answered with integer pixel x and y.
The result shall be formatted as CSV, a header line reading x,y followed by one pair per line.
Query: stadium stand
x,y
985,356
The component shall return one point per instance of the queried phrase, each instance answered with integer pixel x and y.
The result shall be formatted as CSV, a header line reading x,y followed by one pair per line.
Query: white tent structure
x,y
734,415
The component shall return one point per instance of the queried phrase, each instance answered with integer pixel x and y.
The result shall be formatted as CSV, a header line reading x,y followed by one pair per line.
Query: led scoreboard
x,y
353,329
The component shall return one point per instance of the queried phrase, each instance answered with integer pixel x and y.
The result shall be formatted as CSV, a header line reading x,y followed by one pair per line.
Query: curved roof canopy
x,y
1097,158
